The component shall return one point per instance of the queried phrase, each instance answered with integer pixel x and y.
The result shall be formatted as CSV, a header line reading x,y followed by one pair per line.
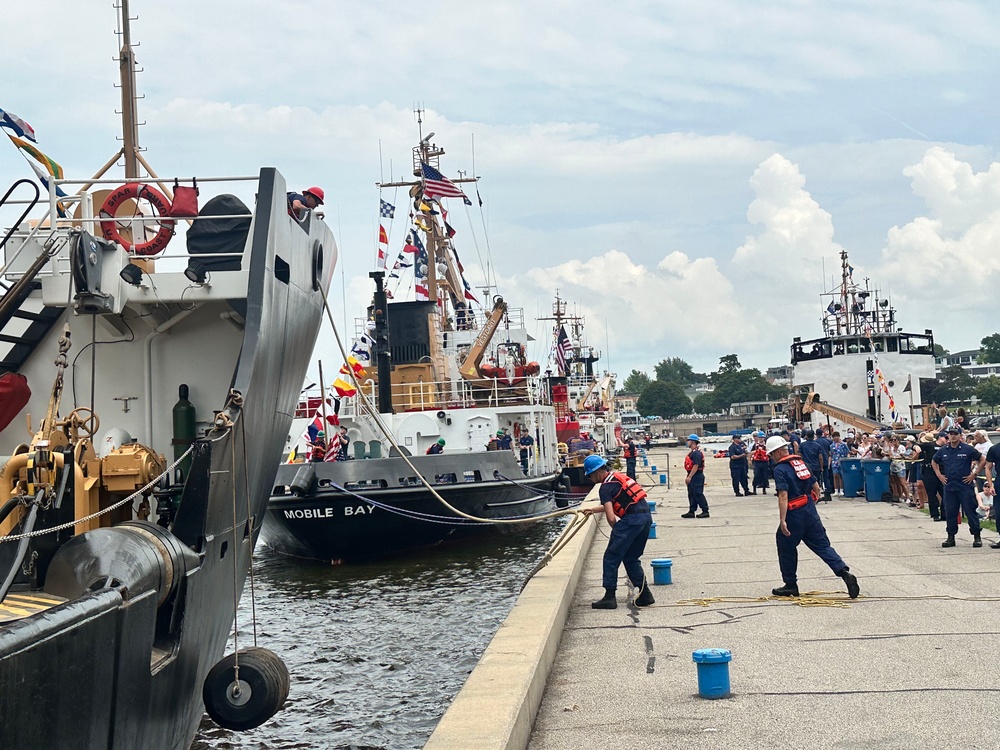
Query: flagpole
x,y
909,387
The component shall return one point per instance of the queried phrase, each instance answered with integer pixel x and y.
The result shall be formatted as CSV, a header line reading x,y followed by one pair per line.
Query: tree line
x,y
731,383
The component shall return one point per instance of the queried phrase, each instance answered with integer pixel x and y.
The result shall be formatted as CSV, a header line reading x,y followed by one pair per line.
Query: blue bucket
x,y
652,531
713,672
661,572
652,505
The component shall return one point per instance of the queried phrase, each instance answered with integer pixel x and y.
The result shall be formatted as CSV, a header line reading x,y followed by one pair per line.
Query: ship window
x,y
852,346
839,348
865,346
281,270
448,478
879,345
472,476
893,344
409,482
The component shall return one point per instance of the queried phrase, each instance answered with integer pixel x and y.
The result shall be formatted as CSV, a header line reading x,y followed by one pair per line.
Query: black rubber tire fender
x,y
264,683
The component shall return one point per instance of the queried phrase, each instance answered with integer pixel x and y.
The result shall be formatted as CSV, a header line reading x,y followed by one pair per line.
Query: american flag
x,y
387,209
563,348
436,185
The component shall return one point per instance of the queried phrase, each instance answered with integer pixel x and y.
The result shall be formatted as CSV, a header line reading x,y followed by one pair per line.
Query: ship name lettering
x,y
309,513
359,511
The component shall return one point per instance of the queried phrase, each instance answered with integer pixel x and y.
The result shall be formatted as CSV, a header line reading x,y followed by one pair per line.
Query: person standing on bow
x,y
799,521
957,465
623,502
694,465
630,452
308,199
526,445
738,466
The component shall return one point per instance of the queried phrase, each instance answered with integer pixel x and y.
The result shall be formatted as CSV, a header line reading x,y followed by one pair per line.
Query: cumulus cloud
x,y
796,232
948,256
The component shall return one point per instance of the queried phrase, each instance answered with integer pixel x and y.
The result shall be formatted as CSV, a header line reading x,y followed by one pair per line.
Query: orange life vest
x,y
802,472
759,454
632,490
689,464
630,451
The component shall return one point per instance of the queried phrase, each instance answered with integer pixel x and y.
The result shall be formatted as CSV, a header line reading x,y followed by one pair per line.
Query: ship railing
x,y
427,395
78,211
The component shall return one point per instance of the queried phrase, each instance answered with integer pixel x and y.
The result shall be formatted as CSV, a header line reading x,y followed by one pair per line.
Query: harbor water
x,y
377,652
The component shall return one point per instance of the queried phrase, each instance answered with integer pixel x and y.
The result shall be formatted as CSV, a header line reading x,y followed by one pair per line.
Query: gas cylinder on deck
x,y
184,428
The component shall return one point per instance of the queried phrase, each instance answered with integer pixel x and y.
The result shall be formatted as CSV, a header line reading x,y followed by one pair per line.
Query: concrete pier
x,y
910,664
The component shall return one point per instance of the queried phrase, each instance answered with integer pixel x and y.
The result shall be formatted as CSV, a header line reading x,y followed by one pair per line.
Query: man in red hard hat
x,y
309,198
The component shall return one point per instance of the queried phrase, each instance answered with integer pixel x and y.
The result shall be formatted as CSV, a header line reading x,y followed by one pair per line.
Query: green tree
x,y
636,382
954,384
676,370
940,351
704,403
988,390
664,399
736,386
989,349
729,363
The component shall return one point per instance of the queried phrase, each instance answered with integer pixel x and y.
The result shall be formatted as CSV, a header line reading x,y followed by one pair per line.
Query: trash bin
x,y
854,479
876,473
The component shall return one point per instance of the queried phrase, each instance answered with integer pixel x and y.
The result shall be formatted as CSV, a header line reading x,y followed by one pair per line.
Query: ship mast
x,y
126,70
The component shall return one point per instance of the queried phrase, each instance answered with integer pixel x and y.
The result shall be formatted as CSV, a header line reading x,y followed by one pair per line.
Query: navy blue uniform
x,y
932,485
628,537
956,465
738,467
803,522
630,452
812,451
526,442
827,444
506,442
696,487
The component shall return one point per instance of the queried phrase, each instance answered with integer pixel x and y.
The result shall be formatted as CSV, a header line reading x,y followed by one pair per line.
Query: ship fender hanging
x,y
564,487
135,191
317,266
255,697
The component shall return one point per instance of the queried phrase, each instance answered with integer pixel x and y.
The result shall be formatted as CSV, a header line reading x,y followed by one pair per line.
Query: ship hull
x,y
121,663
310,514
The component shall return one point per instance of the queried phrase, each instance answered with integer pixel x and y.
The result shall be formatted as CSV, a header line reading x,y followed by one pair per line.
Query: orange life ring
x,y
136,190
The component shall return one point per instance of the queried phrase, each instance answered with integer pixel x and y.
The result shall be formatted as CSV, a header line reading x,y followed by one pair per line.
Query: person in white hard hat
x,y
799,521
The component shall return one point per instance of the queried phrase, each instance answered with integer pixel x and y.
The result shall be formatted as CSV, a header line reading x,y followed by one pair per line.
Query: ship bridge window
x,y
880,345
893,344
839,348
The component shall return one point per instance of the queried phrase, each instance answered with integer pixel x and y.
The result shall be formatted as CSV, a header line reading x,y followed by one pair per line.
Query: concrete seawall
x,y
496,708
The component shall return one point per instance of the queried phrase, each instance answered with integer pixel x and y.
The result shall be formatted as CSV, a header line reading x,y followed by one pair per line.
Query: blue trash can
x,y
876,473
854,478
713,672
662,571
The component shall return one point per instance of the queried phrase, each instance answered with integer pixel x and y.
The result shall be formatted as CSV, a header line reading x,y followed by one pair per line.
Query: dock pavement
x,y
909,664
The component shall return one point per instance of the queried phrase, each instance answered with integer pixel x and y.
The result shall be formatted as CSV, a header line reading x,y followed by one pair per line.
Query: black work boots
x,y
949,542
608,602
645,597
786,590
852,583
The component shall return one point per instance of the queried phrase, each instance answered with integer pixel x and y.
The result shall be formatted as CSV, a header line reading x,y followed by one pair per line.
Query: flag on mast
x,y
12,122
436,185
563,348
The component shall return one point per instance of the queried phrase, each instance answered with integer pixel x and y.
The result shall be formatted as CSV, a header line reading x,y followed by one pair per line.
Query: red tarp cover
x,y
14,395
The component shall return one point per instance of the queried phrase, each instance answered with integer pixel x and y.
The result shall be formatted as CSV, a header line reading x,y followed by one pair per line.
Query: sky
x,y
685,174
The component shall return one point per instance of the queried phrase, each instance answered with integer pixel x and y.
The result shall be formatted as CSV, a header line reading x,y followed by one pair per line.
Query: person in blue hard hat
x,y
623,502
799,521
694,465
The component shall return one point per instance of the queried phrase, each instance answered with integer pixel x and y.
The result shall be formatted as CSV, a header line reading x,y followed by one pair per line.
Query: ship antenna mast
x,y
127,71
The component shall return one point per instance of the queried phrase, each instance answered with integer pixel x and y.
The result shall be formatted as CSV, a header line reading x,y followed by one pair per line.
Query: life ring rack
x,y
135,191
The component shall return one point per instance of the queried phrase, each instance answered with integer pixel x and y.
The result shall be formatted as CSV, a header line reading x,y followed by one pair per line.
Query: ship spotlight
x,y
196,272
883,303
131,274
440,415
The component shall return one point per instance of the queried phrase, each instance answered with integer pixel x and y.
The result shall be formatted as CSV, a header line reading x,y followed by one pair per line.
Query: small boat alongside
x,y
452,434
